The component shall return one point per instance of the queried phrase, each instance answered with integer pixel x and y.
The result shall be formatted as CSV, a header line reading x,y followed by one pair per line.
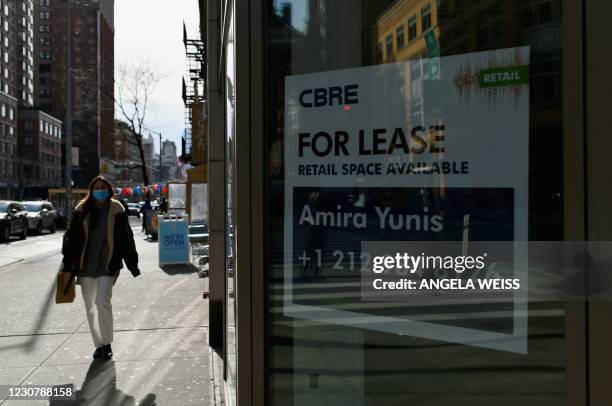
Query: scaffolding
x,y
194,83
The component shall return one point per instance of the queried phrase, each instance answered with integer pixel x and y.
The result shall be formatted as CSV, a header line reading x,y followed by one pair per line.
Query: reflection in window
x,y
412,29
536,12
426,18
489,28
389,46
400,37
443,9
546,77
297,354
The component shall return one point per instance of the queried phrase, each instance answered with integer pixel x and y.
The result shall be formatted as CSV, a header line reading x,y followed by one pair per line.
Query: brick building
x,y
92,36
40,148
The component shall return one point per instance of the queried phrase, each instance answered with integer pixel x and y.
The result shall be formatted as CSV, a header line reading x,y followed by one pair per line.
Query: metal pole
x,y
68,116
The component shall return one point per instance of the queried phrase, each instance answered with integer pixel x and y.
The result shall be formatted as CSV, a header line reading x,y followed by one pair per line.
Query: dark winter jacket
x,y
120,239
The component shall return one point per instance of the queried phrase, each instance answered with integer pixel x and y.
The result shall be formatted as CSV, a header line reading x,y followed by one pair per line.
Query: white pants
x,y
97,293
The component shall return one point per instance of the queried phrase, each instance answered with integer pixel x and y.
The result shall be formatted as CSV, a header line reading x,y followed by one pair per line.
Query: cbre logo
x,y
330,96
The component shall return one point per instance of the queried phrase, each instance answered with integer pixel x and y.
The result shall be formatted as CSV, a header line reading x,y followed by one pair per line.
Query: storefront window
x,y
457,137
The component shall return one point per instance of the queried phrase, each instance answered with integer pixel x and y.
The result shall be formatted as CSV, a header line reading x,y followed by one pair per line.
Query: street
x,y
161,355
35,246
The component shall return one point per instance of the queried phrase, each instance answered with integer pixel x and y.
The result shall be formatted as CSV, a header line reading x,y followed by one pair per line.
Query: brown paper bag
x,y
65,288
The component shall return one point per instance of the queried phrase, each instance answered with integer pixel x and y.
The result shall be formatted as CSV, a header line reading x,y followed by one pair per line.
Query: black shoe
x,y
98,353
106,352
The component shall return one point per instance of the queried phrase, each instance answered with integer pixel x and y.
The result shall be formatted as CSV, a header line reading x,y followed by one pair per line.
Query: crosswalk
x,y
314,295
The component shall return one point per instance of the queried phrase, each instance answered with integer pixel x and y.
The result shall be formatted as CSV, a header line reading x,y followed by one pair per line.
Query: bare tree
x,y
134,88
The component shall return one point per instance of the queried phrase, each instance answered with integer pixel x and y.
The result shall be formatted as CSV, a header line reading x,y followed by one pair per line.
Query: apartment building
x,y
92,45
16,86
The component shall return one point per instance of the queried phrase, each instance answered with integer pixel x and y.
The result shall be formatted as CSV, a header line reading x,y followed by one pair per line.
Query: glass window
x,y
199,203
33,207
426,18
400,37
389,46
412,29
539,12
325,343
177,194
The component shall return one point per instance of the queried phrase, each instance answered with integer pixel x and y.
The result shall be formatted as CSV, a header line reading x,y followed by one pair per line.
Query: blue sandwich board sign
x,y
173,241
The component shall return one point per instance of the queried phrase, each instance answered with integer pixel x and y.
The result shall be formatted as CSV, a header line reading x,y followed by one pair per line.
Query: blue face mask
x,y
100,195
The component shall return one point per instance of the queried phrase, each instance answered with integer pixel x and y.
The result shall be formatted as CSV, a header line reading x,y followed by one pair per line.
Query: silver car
x,y
41,215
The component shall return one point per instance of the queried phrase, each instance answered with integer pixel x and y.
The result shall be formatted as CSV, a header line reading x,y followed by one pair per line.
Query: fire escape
x,y
194,85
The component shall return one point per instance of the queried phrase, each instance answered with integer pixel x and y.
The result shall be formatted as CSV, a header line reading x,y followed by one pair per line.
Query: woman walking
x,y
98,240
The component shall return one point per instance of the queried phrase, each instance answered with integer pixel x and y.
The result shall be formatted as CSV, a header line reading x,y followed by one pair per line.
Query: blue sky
x,y
151,31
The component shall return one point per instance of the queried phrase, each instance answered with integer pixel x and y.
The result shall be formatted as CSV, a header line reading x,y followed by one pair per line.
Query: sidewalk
x,y
160,343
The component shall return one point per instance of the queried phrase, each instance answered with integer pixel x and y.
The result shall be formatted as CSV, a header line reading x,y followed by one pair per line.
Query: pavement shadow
x,y
100,389
42,315
179,269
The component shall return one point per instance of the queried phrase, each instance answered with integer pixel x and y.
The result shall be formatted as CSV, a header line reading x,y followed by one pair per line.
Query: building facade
x,y
169,160
16,86
18,50
40,149
128,161
127,156
169,152
9,159
298,89
43,75
151,158
92,45
24,55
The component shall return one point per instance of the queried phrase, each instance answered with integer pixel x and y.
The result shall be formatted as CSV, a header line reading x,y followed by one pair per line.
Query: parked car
x,y
133,209
41,215
13,220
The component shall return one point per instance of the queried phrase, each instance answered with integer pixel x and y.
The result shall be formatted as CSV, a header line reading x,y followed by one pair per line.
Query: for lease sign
x,y
393,153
